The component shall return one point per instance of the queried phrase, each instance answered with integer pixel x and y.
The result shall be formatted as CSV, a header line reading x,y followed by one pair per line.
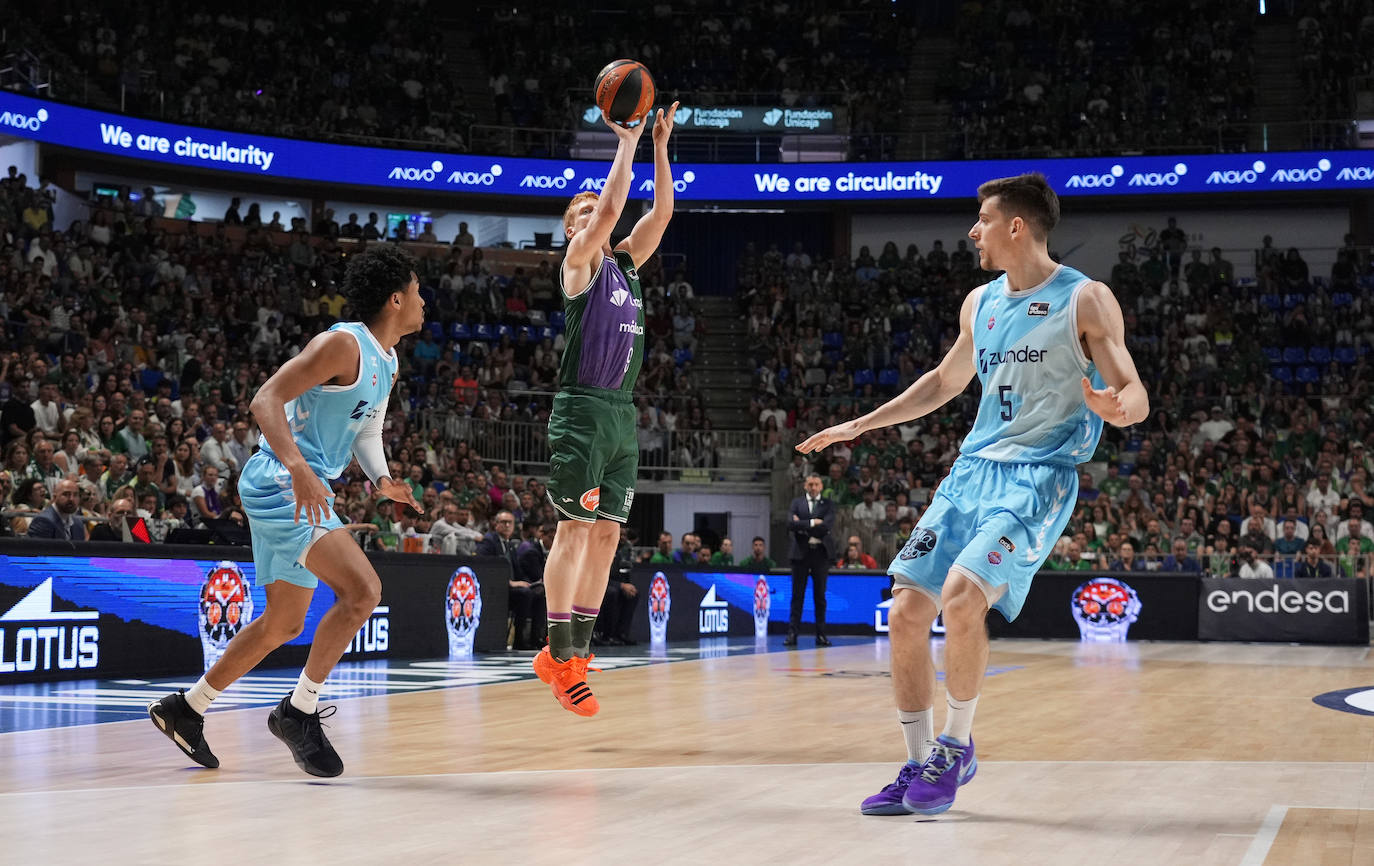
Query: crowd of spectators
x,y
850,55
134,345
341,70
1036,77
1236,421
1336,49
1031,77
310,70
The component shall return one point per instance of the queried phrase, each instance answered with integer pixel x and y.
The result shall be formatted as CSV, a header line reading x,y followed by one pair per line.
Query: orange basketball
x,y
625,91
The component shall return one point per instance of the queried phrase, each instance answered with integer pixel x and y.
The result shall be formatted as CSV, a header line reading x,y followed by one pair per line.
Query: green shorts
x,y
594,457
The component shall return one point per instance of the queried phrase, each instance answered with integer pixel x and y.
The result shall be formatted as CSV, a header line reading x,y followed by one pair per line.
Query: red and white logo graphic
x,y
762,603
374,380
1104,609
660,605
226,606
591,499
995,558
462,611
992,320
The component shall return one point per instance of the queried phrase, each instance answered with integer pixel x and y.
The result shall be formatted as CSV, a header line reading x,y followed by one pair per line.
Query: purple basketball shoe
x,y
948,767
888,801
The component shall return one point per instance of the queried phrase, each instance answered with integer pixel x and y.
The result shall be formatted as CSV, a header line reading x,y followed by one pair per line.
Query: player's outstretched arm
x,y
1124,401
331,357
928,393
585,247
648,232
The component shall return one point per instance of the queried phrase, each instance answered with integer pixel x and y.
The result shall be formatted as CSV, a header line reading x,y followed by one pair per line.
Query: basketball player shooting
x,y
1048,346
318,412
594,452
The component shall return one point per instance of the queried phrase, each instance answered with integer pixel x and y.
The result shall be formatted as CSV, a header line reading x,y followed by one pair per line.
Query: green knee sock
x,y
583,622
560,636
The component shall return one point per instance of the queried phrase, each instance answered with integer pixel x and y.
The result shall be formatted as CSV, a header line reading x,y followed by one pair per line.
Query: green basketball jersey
x,y
605,330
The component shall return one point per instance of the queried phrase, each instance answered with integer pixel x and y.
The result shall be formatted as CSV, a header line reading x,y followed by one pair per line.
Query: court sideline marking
x,y
657,768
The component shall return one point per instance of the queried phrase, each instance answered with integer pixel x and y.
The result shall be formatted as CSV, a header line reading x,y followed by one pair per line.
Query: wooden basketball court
x,y
1088,754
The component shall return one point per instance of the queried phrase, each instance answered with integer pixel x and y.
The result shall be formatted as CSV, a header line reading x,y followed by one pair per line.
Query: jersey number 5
x,y
1002,395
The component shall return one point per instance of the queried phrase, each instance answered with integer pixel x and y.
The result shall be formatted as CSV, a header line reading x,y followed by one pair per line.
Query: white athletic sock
x,y
200,696
918,729
959,718
306,697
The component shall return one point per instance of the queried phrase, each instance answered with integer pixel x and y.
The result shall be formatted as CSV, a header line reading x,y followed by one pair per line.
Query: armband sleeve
x,y
367,448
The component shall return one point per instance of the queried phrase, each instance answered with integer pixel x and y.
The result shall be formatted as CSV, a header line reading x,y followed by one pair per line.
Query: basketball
x,y
625,91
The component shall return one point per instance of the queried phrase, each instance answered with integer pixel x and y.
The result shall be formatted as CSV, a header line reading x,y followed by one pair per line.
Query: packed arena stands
x,y
126,313
335,71
1049,77
1336,45
1022,77
1239,423
133,336
128,316
348,75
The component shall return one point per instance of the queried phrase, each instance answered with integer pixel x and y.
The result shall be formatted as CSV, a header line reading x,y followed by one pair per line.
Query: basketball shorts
x,y
280,544
593,457
995,523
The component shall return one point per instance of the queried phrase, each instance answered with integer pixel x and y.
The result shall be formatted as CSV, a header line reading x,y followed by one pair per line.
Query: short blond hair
x,y
570,213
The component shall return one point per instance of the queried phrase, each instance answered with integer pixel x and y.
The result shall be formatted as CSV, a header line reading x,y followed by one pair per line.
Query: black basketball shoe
x,y
304,736
183,726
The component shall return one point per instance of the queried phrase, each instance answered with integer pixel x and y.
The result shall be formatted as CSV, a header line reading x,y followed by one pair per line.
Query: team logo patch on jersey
x,y
1038,308
922,541
995,558
591,499
1007,543
374,380
618,297
992,320
632,273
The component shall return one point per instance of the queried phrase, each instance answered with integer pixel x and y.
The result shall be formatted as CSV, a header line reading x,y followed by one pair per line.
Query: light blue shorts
x,y
995,523
280,544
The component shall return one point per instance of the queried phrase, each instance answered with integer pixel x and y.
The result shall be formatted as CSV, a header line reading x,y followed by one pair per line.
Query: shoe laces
x,y
316,719
941,759
904,777
580,666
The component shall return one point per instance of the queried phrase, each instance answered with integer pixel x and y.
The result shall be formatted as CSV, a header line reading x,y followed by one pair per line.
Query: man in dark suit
x,y
527,589
59,520
618,604
502,541
809,521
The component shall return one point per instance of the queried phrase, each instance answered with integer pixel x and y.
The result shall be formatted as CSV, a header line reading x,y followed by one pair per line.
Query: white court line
x,y
713,767
441,669
1264,839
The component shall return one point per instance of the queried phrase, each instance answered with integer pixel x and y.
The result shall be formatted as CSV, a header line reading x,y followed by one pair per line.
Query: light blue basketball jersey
x,y
1029,361
326,419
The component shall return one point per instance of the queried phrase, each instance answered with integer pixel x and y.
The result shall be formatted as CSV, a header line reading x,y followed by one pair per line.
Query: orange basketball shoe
x,y
568,680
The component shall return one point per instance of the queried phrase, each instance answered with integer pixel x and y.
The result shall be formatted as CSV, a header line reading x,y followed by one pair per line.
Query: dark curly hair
x,y
372,277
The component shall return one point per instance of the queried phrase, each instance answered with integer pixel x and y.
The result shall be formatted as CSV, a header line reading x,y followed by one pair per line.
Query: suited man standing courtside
x,y
809,521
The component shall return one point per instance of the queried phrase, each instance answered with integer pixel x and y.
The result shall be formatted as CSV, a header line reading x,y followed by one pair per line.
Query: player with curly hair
x,y
318,412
